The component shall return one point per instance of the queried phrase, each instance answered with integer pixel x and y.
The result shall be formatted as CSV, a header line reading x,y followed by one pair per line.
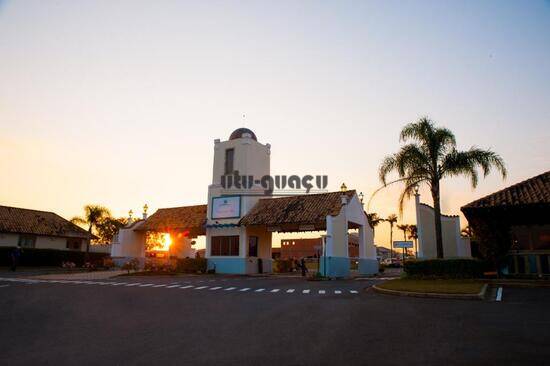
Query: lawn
x,y
438,286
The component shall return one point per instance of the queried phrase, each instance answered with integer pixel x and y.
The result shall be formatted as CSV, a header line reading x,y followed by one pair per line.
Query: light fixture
x,y
343,187
361,196
130,213
145,208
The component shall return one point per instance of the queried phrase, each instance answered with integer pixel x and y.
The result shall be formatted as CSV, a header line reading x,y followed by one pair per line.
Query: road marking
x,y
215,288
337,291
146,285
230,289
499,294
305,292
353,291
159,286
172,286
188,286
289,291
133,284
321,292
275,290
118,283
200,287
4,286
244,289
260,290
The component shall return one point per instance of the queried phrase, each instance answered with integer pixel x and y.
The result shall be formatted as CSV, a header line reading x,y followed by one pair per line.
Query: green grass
x,y
438,286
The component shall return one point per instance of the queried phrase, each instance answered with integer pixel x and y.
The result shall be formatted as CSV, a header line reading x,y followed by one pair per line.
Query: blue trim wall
x,y
228,265
368,266
336,266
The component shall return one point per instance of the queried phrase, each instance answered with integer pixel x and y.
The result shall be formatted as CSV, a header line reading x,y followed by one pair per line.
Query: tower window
x,y
229,154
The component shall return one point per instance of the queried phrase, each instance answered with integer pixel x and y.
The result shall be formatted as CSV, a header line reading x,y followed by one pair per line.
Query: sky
x,y
118,102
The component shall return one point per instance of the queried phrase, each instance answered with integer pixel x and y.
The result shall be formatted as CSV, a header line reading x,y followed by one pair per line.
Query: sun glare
x,y
165,242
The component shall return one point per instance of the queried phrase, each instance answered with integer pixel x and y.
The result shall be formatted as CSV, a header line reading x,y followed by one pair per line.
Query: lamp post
x,y
361,196
343,187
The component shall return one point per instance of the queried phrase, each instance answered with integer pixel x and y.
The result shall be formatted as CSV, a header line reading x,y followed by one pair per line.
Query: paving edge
x,y
478,296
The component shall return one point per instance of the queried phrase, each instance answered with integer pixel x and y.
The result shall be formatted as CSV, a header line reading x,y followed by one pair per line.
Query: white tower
x,y
228,247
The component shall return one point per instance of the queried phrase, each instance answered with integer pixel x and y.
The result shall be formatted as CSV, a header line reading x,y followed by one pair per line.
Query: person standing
x,y
15,255
304,268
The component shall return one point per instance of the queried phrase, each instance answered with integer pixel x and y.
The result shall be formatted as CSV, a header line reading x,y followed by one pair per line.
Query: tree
x,y
93,215
413,234
392,219
108,227
430,157
467,231
374,220
404,228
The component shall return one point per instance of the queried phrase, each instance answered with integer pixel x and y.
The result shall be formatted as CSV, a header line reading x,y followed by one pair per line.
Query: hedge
x,y
191,265
446,268
33,257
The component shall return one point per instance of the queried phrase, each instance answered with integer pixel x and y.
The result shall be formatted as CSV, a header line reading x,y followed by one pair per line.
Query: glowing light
x,y
165,242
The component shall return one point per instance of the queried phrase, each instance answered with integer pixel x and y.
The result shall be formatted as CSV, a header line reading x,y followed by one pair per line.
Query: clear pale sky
x,y
118,102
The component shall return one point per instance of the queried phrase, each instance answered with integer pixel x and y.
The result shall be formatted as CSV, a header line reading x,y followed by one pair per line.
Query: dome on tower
x,y
241,132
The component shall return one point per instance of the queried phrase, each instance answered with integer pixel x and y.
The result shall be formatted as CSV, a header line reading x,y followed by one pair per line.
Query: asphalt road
x,y
334,323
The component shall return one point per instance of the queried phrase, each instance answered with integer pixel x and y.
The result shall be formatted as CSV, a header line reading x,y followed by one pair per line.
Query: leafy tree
x,y
432,156
108,227
392,219
93,216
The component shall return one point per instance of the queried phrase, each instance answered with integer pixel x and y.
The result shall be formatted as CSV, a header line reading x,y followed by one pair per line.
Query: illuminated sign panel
x,y
226,207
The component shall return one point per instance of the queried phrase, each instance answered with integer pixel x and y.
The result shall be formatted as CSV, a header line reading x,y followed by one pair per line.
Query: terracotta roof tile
x,y
25,221
192,218
532,191
305,209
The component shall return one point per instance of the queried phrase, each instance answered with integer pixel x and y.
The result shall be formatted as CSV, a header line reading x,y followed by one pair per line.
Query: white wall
x,y
129,243
9,240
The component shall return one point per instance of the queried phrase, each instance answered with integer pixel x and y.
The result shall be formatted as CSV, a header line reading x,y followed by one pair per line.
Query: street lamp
x,y
343,187
361,196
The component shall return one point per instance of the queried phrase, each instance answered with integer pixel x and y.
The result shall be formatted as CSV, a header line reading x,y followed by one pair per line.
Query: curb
x,y
478,296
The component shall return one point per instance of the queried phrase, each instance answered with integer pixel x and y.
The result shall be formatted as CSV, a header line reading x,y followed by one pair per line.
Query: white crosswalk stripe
x,y
200,287
229,289
184,287
172,286
159,286
215,288
133,284
260,290
244,289
289,291
146,285
305,291
337,292
353,291
322,292
275,290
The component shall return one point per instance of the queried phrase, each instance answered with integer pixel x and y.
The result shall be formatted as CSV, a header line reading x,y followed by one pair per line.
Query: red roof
x,y
192,218
25,221
309,209
533,191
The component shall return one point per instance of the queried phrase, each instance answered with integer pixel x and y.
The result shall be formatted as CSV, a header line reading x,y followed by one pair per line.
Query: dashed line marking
x,y
159,286
244,289
499,294
133,284
321,292
2,286
172,286
305,291
215,288
260,290
353,291
289,291
146,285
337,292
188,286
200,287
275,290
229,289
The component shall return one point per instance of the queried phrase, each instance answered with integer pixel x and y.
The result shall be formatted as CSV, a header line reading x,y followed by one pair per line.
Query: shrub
x,y
89,266
283,265
446,268
159,266
68,265
191,265
108,263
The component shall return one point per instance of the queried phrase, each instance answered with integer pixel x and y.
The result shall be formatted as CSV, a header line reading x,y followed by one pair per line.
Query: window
x,y
224,245
229,154
74,243
27,240
253,246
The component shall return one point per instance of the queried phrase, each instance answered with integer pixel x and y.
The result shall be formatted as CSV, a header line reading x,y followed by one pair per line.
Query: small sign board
x,y
226,207
403,244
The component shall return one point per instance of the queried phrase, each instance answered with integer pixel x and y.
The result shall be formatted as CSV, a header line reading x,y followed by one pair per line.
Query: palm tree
x,y
93,216
374,220
432,156
392,219
404,228
413,234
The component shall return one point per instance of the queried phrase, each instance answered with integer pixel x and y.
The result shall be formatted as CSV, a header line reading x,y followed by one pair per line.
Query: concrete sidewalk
x,y
95,275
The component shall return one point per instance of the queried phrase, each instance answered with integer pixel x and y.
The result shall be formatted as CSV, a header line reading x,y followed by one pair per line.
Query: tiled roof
x,y
305,209
192,218
25,221
529,192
